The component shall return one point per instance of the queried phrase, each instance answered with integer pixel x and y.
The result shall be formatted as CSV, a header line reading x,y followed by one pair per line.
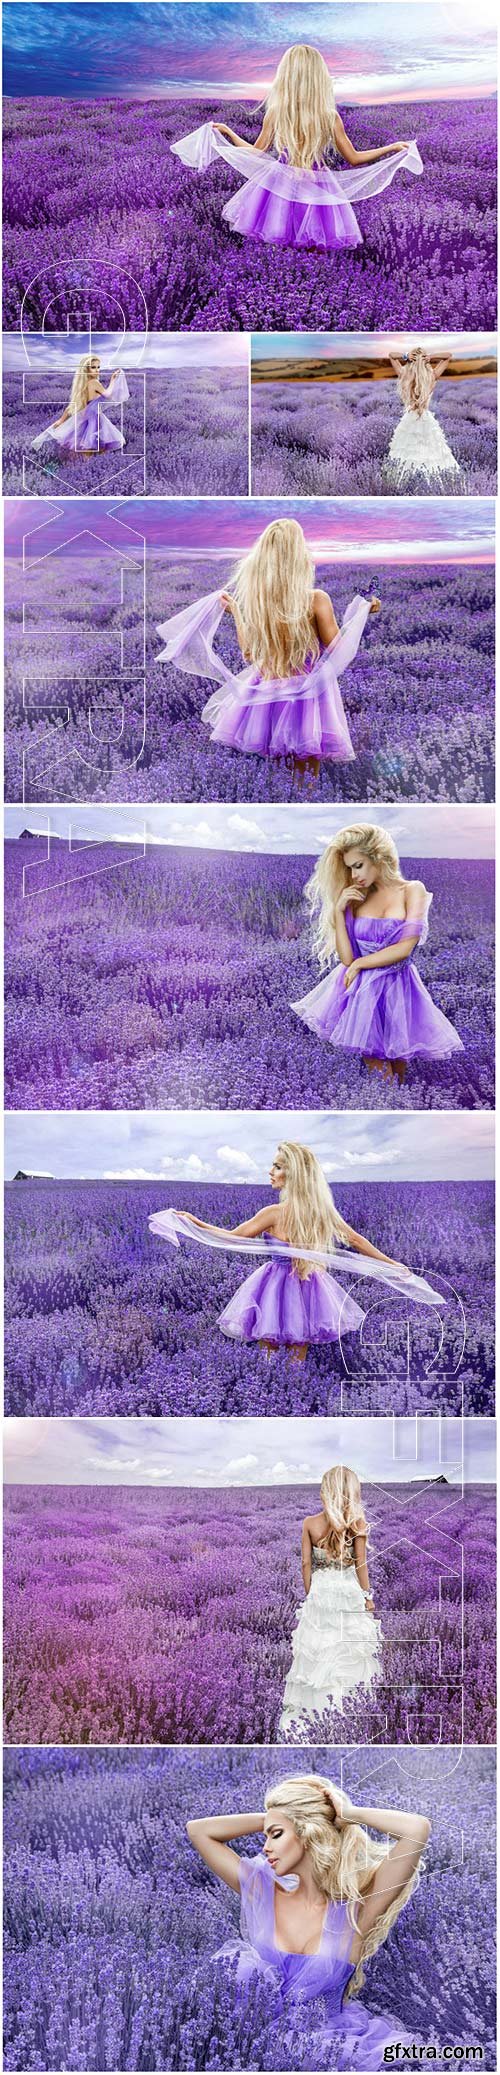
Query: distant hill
x,y
365,370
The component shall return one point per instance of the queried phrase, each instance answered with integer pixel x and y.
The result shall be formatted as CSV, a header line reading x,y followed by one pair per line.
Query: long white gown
x,y
336,1646
418,447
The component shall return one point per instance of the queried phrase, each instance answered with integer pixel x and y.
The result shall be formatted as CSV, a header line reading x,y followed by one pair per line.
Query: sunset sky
x,y
372,530
158,350
142,49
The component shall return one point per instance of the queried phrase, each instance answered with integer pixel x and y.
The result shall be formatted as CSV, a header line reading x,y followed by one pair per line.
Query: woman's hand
x,y
346,898
375,604
370,1607
403,145
228,602
351,971
343,1808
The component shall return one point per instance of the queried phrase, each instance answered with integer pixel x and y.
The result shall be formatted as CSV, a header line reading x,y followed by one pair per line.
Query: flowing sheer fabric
x,y
336,1645
342,2035
303,715
174,1225
294,184
89,427
419,447
387,1012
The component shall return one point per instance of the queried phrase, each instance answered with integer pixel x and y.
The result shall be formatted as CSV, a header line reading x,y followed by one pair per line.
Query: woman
x,y
337,1639
289,1301
288,702
418,445
83,427
372,919
315,1904
296,197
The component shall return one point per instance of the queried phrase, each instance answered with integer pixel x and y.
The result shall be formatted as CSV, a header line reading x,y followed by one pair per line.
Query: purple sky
x,y
379,529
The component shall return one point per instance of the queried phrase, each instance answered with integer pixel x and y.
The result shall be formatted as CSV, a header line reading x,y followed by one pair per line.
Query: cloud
x,y
242,1462
237,1163
371,1158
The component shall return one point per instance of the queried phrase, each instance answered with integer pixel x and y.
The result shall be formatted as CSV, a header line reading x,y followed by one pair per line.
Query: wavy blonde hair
x,y
343,1860
300,108
416,382
273,587
331,875
80,383
340,1493
310,1216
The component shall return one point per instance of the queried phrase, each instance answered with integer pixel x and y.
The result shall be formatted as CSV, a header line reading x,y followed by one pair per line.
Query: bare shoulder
x,y
321,597
316,1522
415,891
360,1527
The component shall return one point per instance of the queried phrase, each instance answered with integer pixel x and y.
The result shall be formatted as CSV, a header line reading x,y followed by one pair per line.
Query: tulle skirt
x,y
345,2036
277,1304
418,447
312,726
386,1014
88,429
274,219
336,1646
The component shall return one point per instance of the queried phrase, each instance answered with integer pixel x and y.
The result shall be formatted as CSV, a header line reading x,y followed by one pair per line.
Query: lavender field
x,y
136,1616
102,1318
419,695
112,1923
85,179
165,981
331,439
186,435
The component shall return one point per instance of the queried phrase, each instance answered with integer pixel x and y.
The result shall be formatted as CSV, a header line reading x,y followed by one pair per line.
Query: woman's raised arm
x,y
208,1834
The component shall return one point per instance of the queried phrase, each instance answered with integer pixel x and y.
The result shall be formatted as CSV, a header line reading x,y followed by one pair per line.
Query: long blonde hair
x,y
300,107
273,587
331,875
416,382
80,383
310,1216
340,1493
343,1861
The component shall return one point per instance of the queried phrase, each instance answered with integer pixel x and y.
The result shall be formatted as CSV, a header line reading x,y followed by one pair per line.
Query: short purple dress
x,y
340,2035
281,204
89,428
277,1304
387,1012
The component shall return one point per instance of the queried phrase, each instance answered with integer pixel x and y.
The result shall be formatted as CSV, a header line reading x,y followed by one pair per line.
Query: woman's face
x,y
284,1850
363,872
94,367
277,1174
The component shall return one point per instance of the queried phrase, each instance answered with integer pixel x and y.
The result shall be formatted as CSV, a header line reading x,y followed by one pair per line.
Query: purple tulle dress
x,y
340,2035
277,1304
303,716
89,429
386,1013
281,204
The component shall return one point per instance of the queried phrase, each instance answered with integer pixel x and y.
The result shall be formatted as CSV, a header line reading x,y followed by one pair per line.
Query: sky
x,y
153,350
372,530
376,52
434,829
239,1145
244,1452
375,345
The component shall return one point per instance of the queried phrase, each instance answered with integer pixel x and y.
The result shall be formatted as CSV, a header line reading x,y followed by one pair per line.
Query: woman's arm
x,y
264,1221
364,1246
349,897
64,415
208,1834
306,1556
362,1567
394,954
411,1832
231,605
396,364
353,157
326,624
100,391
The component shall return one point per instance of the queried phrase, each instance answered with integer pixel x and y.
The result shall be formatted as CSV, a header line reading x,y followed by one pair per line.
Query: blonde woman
x,y
371,920
292,195
288,1301
316,1903
337,1639
418,445
287,703
83,427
